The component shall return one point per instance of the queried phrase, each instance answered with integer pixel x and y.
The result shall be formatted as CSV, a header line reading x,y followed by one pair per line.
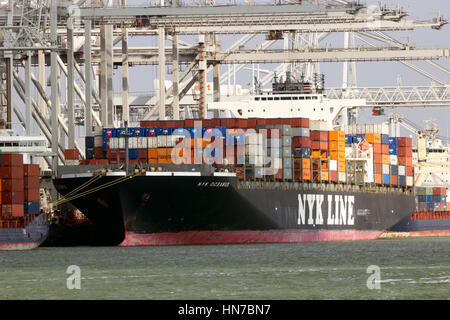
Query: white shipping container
x,y
142,143
333,165
409,181
98,131
98,141
72,162
385,168
162,141
133,143
393,160
401,170
113,143
121,143
342,177
318,125
277,163
253,150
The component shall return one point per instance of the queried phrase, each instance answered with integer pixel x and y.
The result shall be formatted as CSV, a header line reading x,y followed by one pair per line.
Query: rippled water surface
x,y
408,269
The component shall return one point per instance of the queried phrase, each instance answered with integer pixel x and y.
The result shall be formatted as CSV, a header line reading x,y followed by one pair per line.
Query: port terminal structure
x,y
73,45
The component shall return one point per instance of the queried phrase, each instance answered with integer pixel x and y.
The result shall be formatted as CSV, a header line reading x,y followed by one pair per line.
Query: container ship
x,y
431,216
22,224
274,170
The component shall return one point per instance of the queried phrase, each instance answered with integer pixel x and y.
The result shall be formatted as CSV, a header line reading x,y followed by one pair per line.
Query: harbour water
x,y
414,268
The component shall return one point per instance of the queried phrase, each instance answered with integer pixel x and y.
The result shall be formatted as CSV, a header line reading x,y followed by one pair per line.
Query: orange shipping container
x,y
341,166
336,146
377,148
378,178
385,149
336,135
153,153
373,138
385,159
377,158
337,155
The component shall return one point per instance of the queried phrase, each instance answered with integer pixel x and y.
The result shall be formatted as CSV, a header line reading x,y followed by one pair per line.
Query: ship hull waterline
x,y
175,210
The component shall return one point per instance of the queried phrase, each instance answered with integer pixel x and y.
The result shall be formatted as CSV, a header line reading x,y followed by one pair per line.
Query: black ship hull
x,y
190,209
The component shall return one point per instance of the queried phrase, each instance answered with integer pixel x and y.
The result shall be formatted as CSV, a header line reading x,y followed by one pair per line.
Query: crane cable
x,y
101,187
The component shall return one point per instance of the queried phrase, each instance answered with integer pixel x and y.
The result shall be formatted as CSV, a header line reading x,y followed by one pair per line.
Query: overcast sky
x,y
376,74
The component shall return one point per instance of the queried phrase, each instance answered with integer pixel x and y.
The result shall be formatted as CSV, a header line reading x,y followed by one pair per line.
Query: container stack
x,y
406,172
336,151
431,199
319,151
393,160
31,188
287,154
12,185
72,157
375,140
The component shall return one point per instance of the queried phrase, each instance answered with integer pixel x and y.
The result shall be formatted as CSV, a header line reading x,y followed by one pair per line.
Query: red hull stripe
x,y
18,245
245,236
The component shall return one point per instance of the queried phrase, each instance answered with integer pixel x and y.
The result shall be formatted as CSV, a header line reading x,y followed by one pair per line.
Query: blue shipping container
x,y
402,180
429,198
421,198
32,207
359,138
384,139
393,142
385,179
133,154
394,170
393,151
89,142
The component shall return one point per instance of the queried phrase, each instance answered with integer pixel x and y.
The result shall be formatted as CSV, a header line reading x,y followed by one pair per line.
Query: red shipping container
x,y
31,183
333,176
393,179
98,153
11,160
190,122
260,122
439,191
319,135
404,142
12,210
409,171
404,161
13,197
251,123
71,154
31,170
12,184
378,168
31,195
301,142
404,151
242,123
319,145
11,172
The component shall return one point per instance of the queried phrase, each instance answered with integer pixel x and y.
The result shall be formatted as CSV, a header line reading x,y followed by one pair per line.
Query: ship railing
x,y
305,186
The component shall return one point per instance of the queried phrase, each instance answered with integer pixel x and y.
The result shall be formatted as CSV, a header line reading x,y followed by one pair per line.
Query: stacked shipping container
x,y
19,186
282,148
